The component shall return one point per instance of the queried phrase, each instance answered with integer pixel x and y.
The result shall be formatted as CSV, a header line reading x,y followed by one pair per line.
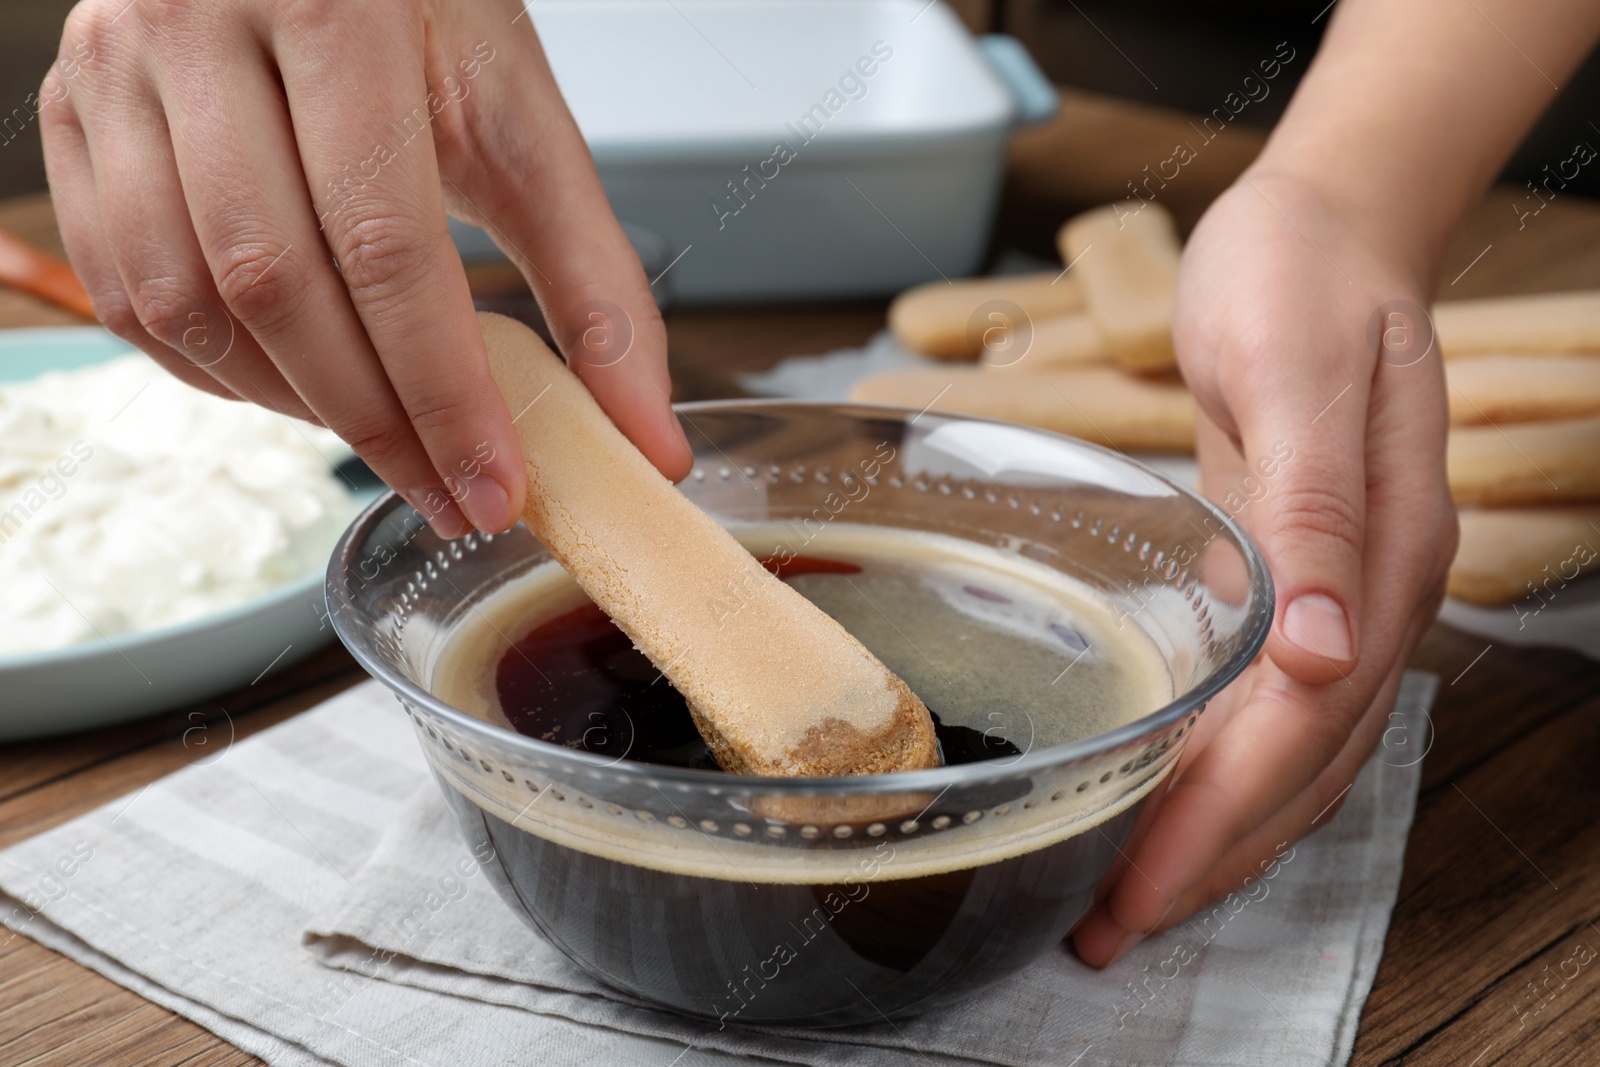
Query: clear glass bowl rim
x,y
1259,608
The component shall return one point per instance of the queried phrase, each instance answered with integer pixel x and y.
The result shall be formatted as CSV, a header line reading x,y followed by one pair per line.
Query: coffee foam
x,y
462,674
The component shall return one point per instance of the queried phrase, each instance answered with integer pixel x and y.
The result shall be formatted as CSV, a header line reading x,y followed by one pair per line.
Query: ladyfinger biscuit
x,y
947,320
1056,344
1525,463
775,686
1546,322
1127,263
1522,388
1512,553
1100,404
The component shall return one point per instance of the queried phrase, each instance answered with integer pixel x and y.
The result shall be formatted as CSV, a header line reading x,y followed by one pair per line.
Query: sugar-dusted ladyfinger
x,y
1053,344
775,686
949,320
1127,263
1101,404
1525,463
1522,388
1510,553
1541,323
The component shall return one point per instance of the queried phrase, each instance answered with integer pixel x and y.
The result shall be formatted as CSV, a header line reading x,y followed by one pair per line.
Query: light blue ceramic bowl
x,y
173,668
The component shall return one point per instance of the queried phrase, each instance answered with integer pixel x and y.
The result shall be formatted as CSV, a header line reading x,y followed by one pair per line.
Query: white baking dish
x,y
795,148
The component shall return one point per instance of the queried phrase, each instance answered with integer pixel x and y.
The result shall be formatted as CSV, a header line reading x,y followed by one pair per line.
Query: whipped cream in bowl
x,y
156,542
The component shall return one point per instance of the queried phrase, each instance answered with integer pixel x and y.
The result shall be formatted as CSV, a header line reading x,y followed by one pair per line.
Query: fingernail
x,y
1129,939
487,505
441,513
1316,622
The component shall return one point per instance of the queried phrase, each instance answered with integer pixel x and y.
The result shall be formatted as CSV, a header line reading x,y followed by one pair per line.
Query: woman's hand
x,y
1299,327
254,192
1336,436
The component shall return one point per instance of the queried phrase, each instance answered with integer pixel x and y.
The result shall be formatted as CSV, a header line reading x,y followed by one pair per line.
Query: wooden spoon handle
x,y
22,266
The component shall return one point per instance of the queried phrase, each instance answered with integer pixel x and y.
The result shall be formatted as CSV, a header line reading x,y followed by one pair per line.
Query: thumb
x,y
1309,520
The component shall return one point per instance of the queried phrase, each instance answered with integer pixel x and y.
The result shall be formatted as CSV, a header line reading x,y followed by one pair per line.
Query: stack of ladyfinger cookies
x,y
1088,352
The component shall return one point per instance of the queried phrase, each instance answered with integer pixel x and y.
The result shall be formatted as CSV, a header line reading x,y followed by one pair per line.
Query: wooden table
x,y
1502,874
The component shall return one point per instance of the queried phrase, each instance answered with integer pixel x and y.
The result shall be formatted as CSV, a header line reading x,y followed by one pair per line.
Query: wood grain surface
x,y
1502,871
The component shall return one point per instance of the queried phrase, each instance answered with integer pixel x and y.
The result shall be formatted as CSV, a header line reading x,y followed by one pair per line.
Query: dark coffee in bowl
x,y
1009,656
576,680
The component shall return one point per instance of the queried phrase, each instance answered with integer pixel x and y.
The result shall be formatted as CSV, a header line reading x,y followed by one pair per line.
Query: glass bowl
x,y
825,901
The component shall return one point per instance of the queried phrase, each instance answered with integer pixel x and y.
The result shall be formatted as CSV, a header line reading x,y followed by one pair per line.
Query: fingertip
x,y
516,499
676,458
508,472
442,515
646,418
487,503
638,399
1319,623
1315,639
1100,941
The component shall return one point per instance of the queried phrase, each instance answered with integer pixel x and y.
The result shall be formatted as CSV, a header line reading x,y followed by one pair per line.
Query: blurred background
x,y
1171,53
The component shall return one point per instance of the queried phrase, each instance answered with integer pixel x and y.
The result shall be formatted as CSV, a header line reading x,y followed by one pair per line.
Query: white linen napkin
x,y
306,897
